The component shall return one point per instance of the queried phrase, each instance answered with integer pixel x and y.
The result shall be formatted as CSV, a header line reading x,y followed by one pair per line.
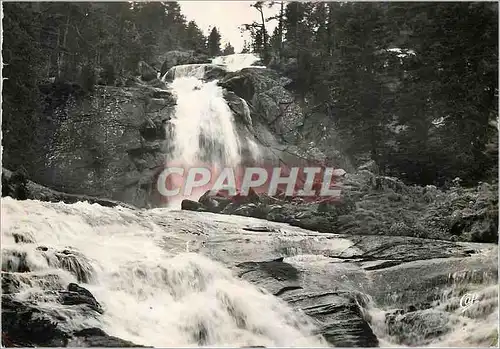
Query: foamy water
x,y
202,129
153,290
156,290
237,61
462,325
152,295
203,124
188,70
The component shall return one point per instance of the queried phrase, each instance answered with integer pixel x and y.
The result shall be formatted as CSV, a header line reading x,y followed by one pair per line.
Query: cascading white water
x,y
202,130
155,292
255,151
151,295
203,124
474,326
237,61
188,70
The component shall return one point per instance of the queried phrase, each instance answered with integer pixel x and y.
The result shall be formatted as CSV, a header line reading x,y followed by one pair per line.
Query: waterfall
x,y
237,61
187,70
203,124
202,130
151,290
474,326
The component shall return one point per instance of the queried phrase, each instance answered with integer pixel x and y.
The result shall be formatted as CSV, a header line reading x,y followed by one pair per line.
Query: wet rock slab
x,y
327,276
95,337
330,276
338,314
27,323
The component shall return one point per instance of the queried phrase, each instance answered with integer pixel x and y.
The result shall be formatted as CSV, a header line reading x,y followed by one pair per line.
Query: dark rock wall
x,y
106,144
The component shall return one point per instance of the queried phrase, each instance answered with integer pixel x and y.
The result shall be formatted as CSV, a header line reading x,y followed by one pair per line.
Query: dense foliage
x,y
412,86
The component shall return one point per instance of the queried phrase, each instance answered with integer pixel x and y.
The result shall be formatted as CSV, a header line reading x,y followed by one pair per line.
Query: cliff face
x,y
107,144
277,118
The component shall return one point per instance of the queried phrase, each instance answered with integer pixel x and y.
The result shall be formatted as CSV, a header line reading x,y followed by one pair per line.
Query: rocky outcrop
x,y
276,117
239,108
339,314
173,58
344,281
28,322
107,144
111,142
18,186
25,324
378,205
270,101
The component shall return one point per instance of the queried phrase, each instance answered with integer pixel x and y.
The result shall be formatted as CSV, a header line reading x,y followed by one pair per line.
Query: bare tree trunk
x,y
119,68
280,28
264,33
265,51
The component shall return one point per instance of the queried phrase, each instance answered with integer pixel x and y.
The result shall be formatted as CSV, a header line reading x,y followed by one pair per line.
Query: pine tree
x,y
195,40
228,49
214,43
267,46
246,47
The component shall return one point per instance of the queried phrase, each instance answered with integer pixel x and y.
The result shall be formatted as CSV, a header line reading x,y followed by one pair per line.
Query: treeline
x,y
65,38
413,86
83,43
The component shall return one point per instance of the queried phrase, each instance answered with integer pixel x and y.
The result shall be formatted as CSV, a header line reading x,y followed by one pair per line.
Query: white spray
x,y
203,124
202,130
152,295
237,61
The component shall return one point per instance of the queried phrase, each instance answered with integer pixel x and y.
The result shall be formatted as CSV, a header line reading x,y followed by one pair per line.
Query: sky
x,y
227,16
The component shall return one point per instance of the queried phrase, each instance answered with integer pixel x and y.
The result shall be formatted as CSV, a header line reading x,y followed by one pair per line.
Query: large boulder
x,y
271,102
26,324
147,72
338,314
191,205
214,72
76,294
241,112
15,184
215,202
